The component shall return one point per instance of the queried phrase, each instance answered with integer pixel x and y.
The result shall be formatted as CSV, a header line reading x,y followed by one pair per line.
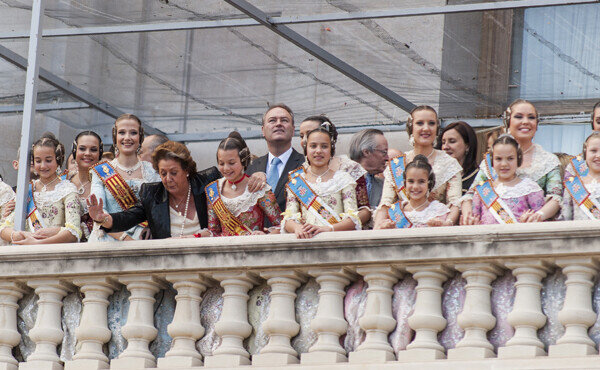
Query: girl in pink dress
x,y
232,209
518,198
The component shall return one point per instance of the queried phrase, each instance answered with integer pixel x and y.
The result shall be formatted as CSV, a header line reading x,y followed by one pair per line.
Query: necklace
x,y
187,203
234,183
129,170
318,180
81,188
430,154
528,149
420,206
44,188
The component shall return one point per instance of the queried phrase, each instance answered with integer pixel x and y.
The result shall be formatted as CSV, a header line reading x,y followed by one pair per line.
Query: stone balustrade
x,y
519,296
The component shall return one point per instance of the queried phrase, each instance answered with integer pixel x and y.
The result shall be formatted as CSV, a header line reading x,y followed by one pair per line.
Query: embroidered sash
x,y
117,186
490,172
579,165
398,216
297,172
63,176
397,167
495,204
311,201
34,219
228,221
582,197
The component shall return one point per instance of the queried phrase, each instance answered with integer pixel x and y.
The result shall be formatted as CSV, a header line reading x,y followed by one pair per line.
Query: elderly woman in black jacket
x,y
174,207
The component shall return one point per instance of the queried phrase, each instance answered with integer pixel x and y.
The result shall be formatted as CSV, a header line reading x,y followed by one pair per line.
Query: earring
x,y
116,152
138,150
411,140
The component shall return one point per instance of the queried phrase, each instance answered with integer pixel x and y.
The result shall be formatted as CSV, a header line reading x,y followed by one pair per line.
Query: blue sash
x,y
33,218
310,200
580,166
581,197
495,204
397,167
63,176
491,173
398,216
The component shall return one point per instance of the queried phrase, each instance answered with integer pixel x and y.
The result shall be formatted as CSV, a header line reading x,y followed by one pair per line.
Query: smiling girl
x,y
521,119
320,199
53,208
232,209
508,198
422,127
118,182
582,193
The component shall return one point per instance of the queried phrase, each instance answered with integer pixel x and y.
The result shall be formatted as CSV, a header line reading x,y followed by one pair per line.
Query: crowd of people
x,y
150,187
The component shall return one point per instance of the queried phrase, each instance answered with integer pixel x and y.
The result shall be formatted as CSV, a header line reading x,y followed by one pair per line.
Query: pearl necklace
x,y
44,188
129,170
187,203
418,208
318,180
81,188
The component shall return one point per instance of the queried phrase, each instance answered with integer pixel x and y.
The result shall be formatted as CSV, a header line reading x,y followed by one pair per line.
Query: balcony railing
x,y
461,297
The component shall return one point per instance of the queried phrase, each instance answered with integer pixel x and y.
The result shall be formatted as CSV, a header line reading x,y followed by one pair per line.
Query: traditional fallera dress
x,y
433,210
580,201
448,180
118,194
6,195
321,203
505,204
54,208
240,215
544,169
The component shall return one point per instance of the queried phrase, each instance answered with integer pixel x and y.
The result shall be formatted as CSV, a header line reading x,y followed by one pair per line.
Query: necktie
x,y
369,179
273,175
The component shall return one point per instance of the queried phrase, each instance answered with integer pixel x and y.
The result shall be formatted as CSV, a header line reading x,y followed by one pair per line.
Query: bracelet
x,y
12,240
122,237
103,221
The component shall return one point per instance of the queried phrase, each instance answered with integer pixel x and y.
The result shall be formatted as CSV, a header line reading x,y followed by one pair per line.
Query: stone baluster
x,y
47,332
93,330
233,326
280,324
377,321
10,293
577,314
427,319
139,329
329,322
186,328
476,317
526,316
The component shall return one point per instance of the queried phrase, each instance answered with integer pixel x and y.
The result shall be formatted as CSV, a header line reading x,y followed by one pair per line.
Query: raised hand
x,y
96,209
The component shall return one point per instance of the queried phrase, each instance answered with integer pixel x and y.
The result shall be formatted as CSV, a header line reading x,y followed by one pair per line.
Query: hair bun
x,y
420,158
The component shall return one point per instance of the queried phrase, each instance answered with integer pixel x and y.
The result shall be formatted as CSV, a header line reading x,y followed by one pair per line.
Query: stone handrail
x,y
475,257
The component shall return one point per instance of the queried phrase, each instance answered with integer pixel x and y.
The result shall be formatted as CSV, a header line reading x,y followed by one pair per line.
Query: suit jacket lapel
x,y
161,209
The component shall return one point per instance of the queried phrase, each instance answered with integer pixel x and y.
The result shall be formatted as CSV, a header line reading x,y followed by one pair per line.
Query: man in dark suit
x,y
278,130
369,148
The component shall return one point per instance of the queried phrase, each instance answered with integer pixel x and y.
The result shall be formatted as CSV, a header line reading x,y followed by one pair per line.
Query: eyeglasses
x,y
383,152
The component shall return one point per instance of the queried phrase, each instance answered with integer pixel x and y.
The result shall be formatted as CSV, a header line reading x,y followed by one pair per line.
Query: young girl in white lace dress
x,y
423,127
419,180
54,210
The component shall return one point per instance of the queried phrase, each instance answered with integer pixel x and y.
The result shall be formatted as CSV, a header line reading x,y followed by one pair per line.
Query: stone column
x,y
281,323
577,314
377,321
93,330
526,316
233,326
10,293
427,319
47,332
476,317
139,329
329,322
186,328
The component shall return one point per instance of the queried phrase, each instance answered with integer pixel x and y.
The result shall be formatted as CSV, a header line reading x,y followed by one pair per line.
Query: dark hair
x,y
326,129
127,116
87,133
507,139
278,105
596,106
508,112
421,162
235,141
177,152
324,121
470,138
49,140
593,135
409,121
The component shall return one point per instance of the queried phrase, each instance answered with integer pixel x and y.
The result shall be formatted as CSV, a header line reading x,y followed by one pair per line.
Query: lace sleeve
x,y
268,204
72,215
553,188
454,190
566,207
477,206
351,205
388,193
292,210
214,224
